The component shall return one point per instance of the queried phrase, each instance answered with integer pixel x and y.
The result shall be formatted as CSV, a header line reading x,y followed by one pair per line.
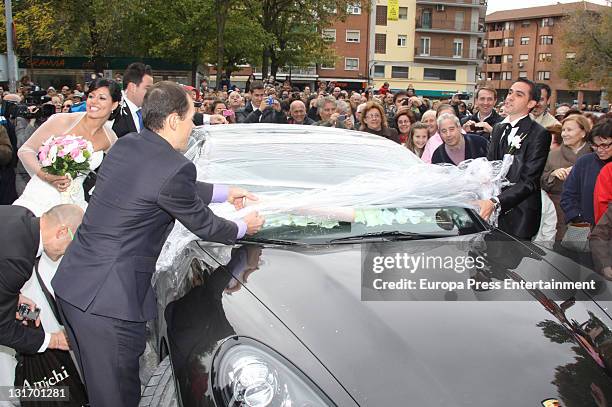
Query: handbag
x,y
49,369
576,237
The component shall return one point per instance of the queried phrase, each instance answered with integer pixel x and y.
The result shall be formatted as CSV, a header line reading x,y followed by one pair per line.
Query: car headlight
x,y
247,373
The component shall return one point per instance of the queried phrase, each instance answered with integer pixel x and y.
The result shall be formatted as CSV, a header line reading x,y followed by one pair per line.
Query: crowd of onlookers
x,y
438,131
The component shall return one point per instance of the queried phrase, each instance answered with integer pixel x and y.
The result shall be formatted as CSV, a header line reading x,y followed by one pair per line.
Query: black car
x,y
291,317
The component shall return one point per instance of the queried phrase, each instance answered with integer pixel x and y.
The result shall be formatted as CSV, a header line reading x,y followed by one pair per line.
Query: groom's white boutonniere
x,y
515,142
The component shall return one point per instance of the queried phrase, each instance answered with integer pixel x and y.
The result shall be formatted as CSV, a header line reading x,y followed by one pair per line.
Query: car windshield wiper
x,y
264,240
390,235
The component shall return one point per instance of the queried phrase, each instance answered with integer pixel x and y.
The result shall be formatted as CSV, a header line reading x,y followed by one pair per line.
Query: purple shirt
x,y
220,194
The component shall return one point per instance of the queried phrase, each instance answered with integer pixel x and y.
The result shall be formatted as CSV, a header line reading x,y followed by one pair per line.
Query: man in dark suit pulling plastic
x,y
521,203
103,284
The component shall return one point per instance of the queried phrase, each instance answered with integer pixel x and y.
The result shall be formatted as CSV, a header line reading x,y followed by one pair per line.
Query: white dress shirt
x,y
45,343
512,123
133,110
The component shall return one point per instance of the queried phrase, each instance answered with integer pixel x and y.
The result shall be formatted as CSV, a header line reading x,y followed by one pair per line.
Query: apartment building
x,y
349,40
435,46
526,43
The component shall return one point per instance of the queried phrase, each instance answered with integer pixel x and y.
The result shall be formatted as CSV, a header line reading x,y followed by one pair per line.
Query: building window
x,y
570,55
523,57
524,40
507,58
546,39
545,57
400,72
547,22
329,35
457,48
508,42
522,74
506,76
425,45
354,9
403,13
441,74
381,15
379,71
426,19
328,65
543,75
525,23
509,25
351,64
401,40
353,35
380,43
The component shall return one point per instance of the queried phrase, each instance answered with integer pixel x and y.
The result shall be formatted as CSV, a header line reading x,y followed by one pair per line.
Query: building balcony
x,y
494,51
491,68
506,66
445,54
499,84
494,35
450,27
450,3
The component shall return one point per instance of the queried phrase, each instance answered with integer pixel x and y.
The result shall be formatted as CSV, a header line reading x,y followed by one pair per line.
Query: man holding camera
x,y
29,237
486,117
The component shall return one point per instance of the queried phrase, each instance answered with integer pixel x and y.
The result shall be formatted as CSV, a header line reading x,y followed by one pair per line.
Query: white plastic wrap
x,y
328,174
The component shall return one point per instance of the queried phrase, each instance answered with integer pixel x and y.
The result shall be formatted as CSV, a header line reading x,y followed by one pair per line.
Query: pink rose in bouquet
x,y
64,155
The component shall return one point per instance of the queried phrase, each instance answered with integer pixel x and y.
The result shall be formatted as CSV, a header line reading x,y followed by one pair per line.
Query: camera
x,y
270,101
27,314
197,105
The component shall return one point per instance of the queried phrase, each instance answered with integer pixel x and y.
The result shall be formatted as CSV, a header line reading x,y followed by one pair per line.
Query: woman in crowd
x,y
403,120
374,120
43,190
218,106
577,195
67,105
560,161
418,138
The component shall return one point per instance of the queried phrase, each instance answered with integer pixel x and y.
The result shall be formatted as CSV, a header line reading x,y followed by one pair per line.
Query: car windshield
x,y
372,224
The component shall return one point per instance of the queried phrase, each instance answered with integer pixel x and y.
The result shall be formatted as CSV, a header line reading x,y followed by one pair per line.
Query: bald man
x,y
29,236
297,113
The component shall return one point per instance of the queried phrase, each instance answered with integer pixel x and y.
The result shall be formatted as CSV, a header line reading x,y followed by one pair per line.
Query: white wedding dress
x,y
40,196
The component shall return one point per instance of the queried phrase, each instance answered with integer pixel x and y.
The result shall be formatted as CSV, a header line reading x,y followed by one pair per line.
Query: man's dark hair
x,y
544,86
113,87
256,85
603,129
161,100
135,72
398,94
534,91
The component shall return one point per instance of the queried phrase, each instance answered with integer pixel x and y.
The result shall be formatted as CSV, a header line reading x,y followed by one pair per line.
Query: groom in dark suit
x,y
520,204
103,285
137,78
26,238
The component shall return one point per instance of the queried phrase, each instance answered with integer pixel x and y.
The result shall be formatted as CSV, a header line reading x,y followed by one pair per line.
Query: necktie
x,y
504,137
140,123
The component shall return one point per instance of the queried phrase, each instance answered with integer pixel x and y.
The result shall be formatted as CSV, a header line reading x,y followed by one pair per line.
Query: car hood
x,y
429,353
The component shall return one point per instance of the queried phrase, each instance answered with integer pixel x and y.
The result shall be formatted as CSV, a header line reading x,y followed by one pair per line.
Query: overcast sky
x,y
497,5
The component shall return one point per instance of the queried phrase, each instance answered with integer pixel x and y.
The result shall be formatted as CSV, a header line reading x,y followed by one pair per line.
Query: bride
x,y
44,189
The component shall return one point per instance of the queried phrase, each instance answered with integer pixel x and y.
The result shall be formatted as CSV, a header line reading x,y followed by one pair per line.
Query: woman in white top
x,y
44,189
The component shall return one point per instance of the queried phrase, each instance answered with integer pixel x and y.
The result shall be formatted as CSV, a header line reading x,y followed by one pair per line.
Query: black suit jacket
x,y
521,203
124,122
18,248
475,146
108,267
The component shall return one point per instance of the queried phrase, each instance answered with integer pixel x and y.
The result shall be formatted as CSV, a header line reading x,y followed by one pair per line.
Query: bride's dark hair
x,y
113,88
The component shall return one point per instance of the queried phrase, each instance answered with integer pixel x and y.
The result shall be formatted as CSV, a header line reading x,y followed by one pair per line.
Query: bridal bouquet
x,y
65,155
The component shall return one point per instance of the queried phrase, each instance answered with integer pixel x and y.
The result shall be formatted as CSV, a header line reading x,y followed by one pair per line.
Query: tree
x,y
589,35
295,26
